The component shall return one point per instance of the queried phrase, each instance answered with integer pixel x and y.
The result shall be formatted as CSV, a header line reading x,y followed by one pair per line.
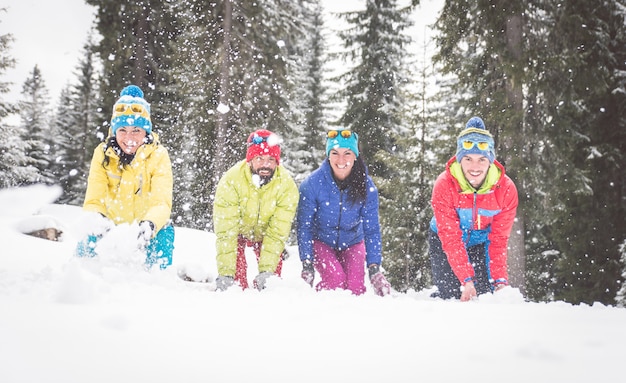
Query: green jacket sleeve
x,y
279,222
226,218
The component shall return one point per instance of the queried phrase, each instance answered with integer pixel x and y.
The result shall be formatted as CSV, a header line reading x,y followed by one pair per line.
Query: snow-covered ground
x,y
65,319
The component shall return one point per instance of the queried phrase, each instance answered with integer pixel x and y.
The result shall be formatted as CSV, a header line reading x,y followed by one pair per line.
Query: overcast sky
x,y
48,33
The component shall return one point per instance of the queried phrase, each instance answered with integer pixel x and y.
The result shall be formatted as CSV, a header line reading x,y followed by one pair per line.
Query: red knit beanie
x,y
263,143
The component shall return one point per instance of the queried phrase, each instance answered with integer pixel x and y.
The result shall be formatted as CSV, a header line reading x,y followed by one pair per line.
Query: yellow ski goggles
x,y
136,109
467,145
335,133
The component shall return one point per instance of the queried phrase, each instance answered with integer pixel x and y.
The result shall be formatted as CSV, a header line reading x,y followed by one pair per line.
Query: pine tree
x,y
405,210
78,118
405,199
303,145
35,127
75,131
374,43
78,110
254,76
583,126
59,168
193,107
14,169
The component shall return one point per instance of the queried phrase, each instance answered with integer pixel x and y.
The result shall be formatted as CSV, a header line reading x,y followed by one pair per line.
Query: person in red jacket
x,y
474,204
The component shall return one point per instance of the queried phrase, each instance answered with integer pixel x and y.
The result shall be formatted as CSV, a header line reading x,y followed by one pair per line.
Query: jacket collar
x,y
495,174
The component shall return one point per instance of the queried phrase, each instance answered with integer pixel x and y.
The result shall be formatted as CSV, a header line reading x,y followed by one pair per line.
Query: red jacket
x,y
464,217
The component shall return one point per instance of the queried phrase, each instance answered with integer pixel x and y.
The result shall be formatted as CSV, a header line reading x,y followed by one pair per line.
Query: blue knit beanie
x,y
475,132
131,110
340,141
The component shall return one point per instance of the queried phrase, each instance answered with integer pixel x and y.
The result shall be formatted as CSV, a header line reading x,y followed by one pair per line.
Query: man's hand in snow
x,y
468,292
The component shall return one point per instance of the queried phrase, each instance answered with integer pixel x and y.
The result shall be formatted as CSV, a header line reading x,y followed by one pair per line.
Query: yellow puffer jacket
x,y
260,214
140,191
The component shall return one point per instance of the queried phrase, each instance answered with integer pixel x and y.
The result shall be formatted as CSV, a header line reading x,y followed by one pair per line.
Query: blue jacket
x,y
325,214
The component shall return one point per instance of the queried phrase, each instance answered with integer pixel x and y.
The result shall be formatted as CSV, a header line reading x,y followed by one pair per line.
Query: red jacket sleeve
x,y
506,193
444,203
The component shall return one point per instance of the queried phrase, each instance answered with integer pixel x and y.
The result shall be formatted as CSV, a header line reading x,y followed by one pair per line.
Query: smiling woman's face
x,y
130,138
341,161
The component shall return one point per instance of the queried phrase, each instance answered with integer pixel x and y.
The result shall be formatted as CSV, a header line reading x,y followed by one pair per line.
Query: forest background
x,y
549,79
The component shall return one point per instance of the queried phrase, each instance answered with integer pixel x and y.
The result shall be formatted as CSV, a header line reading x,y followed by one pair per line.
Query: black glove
x,y
308,272
373,269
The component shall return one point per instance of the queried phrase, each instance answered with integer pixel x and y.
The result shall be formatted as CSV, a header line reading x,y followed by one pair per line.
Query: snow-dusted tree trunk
x,y
222,133
512,152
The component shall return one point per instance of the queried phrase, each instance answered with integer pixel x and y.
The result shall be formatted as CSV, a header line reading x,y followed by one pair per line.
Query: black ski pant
x,y
448,285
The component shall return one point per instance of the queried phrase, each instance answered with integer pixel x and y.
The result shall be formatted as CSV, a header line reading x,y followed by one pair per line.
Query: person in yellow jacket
x,y
130,182
255,204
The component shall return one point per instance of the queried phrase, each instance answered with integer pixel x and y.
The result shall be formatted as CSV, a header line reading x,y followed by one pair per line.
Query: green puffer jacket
x,y
260,214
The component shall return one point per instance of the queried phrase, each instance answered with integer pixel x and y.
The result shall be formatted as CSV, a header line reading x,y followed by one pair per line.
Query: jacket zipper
x,y
339,217
474,219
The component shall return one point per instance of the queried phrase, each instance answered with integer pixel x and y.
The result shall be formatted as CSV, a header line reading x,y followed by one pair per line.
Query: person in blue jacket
x,y
337,221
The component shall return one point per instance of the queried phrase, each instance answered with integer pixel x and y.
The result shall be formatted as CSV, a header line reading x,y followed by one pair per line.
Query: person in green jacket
x,y
255,204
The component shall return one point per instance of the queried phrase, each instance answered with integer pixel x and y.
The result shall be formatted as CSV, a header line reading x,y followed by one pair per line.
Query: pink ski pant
x,y
241,272
340,269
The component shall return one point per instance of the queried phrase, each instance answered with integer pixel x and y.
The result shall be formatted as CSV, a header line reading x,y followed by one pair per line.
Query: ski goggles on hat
x,y
136,109
482,145
335,133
